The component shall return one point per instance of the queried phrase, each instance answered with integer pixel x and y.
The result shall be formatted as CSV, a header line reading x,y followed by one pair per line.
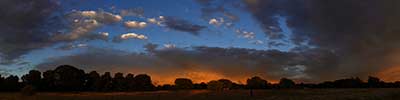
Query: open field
x,y
307,94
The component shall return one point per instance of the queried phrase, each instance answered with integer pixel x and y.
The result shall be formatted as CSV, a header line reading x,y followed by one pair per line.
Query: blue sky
x,y
190,10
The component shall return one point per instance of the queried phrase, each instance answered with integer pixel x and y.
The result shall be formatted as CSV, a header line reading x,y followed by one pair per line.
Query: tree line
x,y
67,78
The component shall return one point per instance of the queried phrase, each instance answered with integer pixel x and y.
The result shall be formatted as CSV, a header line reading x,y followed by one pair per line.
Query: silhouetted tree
x,y
348,83
183,83
202,85
215,85
165,87
374,82
69,78
130,78
226,84
286,83
306,85
106,82
2,79
119,82
326,84
143,82
397,84
33,78
48,81
11,83
257,83
238,86
93,81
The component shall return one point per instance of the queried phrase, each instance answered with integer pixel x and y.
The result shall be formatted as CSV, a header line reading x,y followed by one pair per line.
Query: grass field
x,y
307,94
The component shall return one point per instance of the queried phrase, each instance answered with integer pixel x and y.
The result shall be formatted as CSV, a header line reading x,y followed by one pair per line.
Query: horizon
x,y
304,40
240,82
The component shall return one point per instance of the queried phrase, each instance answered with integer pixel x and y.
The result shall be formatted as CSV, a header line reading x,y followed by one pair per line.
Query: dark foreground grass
x,y
305,94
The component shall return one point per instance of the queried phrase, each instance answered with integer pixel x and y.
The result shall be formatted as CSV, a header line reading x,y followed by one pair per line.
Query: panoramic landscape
x,y
199,50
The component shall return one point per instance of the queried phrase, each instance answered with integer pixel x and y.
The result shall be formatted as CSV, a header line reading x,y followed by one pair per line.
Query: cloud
x,y
129,36
169,46
272,44
150,47
91,14
71,46
84,23
152,20
105,34
182,25
133,35
216,22
25,26
135,25
160,21
137,12
33,25
101,16
80,30
361,32
245,34
211,8
256,42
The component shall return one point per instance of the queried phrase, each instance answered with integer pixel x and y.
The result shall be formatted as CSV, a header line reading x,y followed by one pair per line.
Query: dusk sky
x,y
305,40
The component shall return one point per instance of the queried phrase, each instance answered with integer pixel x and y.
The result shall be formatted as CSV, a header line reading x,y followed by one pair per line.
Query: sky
x,y
305,40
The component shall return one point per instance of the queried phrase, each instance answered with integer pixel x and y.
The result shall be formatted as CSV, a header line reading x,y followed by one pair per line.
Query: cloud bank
x,y
25,26
361,34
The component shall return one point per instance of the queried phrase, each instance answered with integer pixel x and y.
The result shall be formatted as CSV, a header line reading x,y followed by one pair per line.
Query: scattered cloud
x,y
256,42
183,25
160,21
150,47
135,25
169,46
129,36
137,12
212,8
216,22
272,44
71,46
245,34
100,16
84,23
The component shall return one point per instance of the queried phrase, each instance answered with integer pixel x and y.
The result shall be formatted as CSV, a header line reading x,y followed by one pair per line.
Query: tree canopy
x,y
68,78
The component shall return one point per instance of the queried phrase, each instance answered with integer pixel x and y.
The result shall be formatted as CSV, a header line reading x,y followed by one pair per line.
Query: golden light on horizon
x,y
195,76
390,74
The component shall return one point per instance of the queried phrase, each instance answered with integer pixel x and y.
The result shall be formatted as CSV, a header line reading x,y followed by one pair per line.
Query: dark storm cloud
x,y
234,63
183,25
24,26
363,33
